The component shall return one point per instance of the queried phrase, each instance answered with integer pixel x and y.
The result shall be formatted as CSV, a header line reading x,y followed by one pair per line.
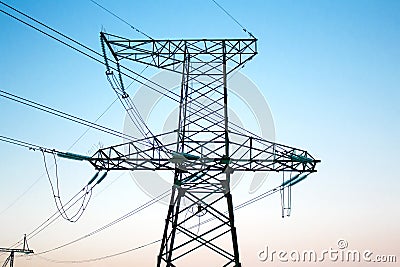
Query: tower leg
x,y
228,196
167,244
220,227
12,259
233,229
6,262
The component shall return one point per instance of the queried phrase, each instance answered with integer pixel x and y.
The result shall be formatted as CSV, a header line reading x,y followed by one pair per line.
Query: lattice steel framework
x,y
10,259
207,147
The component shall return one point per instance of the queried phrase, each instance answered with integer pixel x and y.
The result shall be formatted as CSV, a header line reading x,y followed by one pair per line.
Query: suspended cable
x,y
235,20
64,115
57,214
60,207
84,133
70,147
87,193
71,203
121,19
20,196
87,130
30,146
55,38
49,28
78,50
127,215
240,206
148,83
75,42
104,257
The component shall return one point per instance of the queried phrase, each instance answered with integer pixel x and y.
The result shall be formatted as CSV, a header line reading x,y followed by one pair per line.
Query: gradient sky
x,y
329,70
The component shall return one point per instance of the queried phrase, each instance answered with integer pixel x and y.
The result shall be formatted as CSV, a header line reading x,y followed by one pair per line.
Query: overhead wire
x,y
121,19
87,130
101,258
84,133
240,206
40,177
102,228
57,214
70,45
30,146
70,39
64,115
78,50
70,147
235,20
57,198
82,52
71,203
61,208
147,82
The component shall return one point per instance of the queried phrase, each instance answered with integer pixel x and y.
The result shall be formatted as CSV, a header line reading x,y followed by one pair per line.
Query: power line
x,y
47,27
104,257
55,38
57,198
121,19
147,82
127,215
76,42
30,146
70,147
54,216
40,177
98,118
78,50
240,206
84,133
86,189
235,20
64,115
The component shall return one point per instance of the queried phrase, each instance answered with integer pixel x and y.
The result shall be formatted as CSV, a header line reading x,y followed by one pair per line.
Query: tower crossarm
x,y
170,54
16,250
24,250
248,153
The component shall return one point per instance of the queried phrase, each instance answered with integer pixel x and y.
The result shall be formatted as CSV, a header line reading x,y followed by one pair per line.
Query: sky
x,y
329,71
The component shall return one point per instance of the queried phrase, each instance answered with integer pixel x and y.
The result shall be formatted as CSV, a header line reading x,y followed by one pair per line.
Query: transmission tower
x,y
10,259
207,147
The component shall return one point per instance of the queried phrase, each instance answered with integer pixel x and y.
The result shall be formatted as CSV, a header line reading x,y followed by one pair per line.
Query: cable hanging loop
x,y
87,192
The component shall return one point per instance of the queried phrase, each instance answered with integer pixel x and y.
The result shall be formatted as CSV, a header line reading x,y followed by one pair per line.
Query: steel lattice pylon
x,y
10,259
207,147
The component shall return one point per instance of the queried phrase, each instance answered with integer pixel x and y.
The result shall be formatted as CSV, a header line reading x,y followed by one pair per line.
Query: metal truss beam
x,y
247,154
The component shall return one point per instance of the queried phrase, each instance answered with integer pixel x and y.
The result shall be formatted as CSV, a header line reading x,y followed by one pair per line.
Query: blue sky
x,y
329,70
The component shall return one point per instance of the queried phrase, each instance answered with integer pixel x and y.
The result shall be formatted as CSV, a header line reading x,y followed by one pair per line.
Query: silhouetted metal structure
x,y
206,149
12,251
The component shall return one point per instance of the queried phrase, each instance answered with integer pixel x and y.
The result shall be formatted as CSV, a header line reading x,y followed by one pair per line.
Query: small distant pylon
x,y
10,259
